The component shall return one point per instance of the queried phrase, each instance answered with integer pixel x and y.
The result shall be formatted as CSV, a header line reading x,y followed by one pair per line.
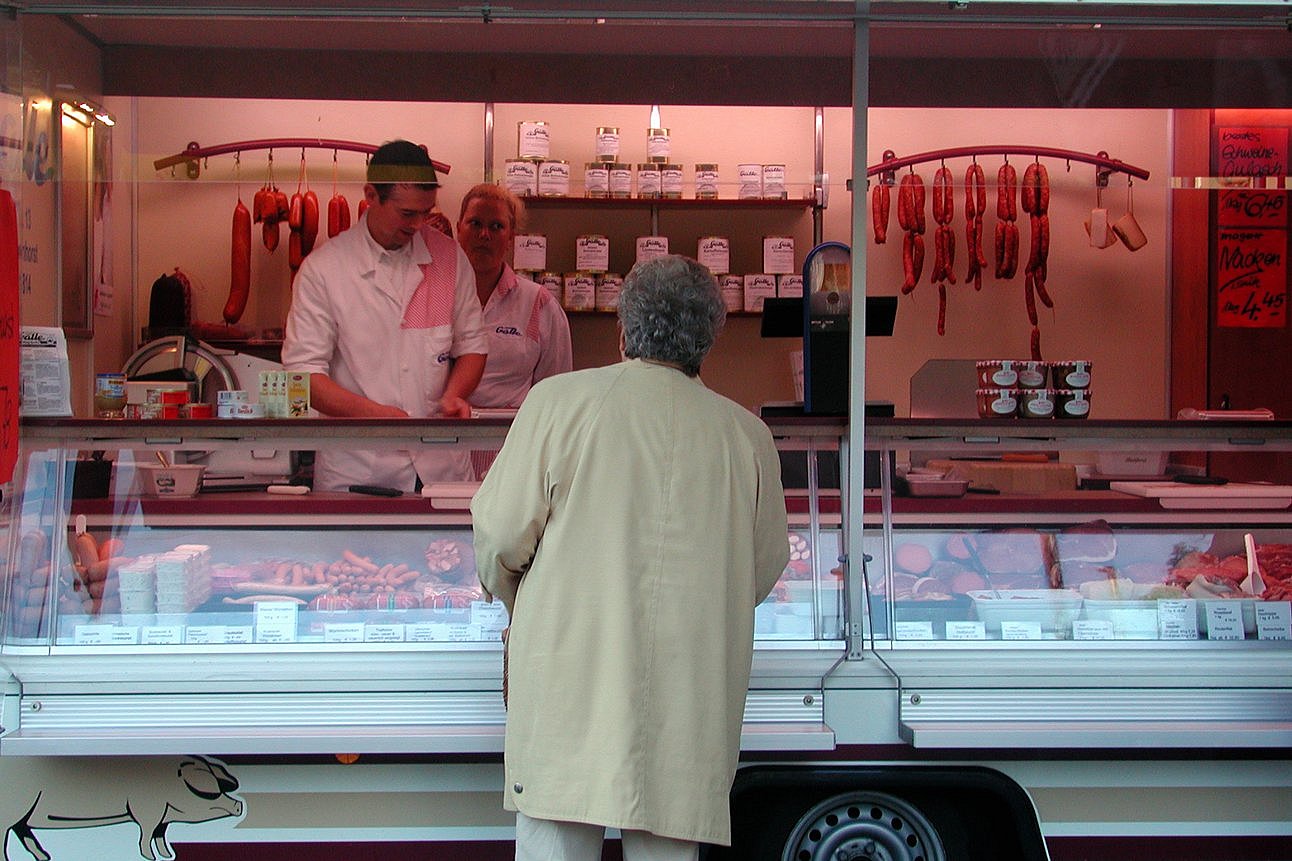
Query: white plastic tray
x,y
1233,495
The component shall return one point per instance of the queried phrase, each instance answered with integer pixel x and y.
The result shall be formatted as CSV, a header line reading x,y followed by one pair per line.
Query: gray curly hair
x,y
671,311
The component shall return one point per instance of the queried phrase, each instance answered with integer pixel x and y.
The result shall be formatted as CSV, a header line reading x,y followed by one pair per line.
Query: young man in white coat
x,y
631,524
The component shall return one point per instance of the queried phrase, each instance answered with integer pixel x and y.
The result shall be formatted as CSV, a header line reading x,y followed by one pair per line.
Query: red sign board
x,y
1259,157
1251,278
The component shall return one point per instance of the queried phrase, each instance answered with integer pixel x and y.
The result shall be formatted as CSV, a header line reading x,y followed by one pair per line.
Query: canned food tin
x,y
670,180
706,181
733,291
657,145
607,143
520,176
715,253
997,373
1036,403
648,180
1071,403
621,180
1031,375
552,282
596,179
533,139
774,182
553,178
591,253
607,292
1071,374
110,396
580,291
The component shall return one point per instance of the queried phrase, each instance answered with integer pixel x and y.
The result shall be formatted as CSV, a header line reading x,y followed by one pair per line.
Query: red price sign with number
x,y
1254,158
1251,278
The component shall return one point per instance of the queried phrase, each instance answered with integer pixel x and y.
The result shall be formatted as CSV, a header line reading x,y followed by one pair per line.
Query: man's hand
x,y
453,407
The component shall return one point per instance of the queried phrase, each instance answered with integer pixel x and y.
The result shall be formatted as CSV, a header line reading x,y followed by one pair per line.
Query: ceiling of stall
x,y
963,52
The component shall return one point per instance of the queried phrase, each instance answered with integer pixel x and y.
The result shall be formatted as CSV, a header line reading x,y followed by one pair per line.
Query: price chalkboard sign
x,y
1247,156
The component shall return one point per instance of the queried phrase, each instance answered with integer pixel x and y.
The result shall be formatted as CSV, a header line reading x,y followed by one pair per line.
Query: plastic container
x,y
1036,403
997,373
176,480
1053,609
1070,374
997,403
1071,403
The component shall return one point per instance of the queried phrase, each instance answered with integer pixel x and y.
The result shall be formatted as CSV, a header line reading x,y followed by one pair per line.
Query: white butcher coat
x,y
631,523
358,317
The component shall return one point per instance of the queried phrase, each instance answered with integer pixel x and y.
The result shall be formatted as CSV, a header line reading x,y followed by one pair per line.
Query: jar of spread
x,y
997,373
1031,375
1070,374
1036,403
1071,403
997,403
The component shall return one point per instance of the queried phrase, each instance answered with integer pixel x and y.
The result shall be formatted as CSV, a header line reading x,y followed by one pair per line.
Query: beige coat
x,y
631,523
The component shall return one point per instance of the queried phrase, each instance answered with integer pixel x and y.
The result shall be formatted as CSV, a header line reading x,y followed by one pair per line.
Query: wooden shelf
x,y
573,202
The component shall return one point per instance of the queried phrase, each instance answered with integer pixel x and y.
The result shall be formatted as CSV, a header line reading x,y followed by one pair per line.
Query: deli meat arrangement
x,y
942,566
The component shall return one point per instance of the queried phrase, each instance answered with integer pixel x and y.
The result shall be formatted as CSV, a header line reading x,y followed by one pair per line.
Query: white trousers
x,y
548,840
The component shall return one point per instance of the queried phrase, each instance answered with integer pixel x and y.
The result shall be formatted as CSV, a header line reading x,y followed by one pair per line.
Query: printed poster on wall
x,y
1252,228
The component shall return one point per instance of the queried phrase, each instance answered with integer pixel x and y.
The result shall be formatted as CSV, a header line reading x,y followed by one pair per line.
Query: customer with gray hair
x,y
631,524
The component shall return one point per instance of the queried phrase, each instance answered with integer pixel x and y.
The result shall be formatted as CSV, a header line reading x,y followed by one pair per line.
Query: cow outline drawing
x,y
151,792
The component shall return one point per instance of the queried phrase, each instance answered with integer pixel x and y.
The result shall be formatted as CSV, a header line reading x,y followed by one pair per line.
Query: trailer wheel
x,y
863,826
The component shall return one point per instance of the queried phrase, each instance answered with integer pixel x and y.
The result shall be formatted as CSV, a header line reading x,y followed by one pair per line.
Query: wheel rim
x,y
864,826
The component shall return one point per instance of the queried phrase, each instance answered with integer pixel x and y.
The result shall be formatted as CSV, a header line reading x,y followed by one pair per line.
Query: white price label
x,y
1274,620
1092,629
966,631
1177,620
343,632
91,635
387,633
162,635
275,621
1225,620
1020,630
913,630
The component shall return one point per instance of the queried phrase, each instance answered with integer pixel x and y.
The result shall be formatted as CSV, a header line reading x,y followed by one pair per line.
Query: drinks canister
x,y
750,178
648,180
520,176
553,178
596,179
621,180
657,145
607,143
534,139
706,181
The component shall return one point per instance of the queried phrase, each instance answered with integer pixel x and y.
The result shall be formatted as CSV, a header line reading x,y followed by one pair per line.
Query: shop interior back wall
x,y
1110,304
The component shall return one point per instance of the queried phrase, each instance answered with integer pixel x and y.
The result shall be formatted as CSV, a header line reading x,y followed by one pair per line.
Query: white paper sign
x,y
1092,629
922,630
758,288
966,631
1274,620
488,615
529,252
1177,620
275,621
1020,630
45,374
217,634
91,635
1225,620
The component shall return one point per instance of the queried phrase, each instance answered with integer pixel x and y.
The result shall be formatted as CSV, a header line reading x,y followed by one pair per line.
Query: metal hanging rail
x,y
193,153
1100,159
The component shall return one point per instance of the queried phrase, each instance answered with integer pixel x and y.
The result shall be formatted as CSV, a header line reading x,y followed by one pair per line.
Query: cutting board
x,y
1237,494
1009,477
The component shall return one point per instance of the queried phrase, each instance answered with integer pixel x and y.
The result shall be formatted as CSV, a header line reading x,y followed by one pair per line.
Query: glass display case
x,y
188,563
